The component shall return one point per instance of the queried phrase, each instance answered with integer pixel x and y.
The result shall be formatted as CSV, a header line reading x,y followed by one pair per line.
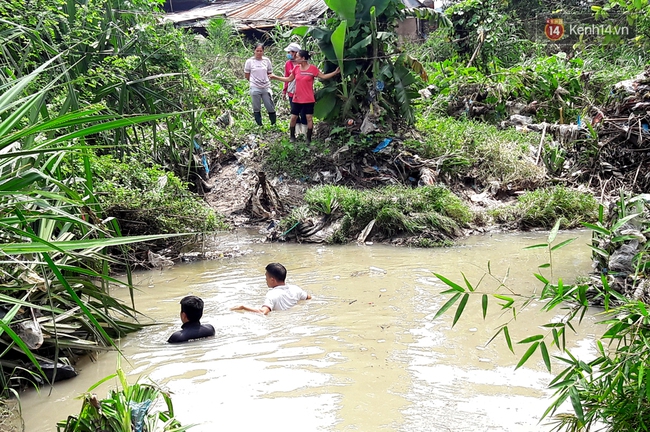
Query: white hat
x,y
293,47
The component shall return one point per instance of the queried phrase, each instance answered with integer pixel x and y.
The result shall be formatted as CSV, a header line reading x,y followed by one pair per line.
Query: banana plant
x,y
361,40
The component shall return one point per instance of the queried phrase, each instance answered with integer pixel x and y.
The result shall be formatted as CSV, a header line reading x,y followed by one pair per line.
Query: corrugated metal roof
x,y
280,10
199,15
257,13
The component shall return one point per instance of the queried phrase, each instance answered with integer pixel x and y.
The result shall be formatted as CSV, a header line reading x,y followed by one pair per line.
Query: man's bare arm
x,y
264,310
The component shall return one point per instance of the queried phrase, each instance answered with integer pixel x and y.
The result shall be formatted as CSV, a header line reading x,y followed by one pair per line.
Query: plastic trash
x,y
204,160
382,145
138,412
241,169
379,86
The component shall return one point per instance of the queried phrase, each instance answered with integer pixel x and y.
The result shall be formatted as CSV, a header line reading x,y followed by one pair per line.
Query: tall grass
x,y
54,265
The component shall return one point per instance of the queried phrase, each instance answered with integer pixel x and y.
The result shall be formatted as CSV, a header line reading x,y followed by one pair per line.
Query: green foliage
x,y
373,76
148,200
636,13
484,27
295,159
395,209
612,391
542,207
54,233
627,222
133,408
465,147
116,55
559,84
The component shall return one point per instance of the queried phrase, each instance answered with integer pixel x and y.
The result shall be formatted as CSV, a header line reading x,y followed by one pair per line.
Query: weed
x,y
295,158
150,200
425,242
542,207
395,209
468,148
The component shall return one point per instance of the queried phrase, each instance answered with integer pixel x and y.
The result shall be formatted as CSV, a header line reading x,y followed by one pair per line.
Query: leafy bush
x,y
150,200
295,159
133,408
469,148
396,209
542,207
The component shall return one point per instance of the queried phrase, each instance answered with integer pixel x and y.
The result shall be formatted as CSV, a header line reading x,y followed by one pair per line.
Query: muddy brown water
x,y
364,354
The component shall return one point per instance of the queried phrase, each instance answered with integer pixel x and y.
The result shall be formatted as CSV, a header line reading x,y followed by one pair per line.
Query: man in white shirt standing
x,y
280,296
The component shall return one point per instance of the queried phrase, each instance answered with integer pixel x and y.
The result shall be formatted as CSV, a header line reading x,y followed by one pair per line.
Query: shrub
x,y
396,209
148,200
542,207
469,148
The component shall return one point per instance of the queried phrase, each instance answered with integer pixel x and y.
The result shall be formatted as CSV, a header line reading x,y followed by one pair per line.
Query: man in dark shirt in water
x,y
191,313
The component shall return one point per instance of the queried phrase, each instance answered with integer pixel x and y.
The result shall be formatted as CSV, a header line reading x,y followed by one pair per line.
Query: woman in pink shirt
x,y
289,88
303,98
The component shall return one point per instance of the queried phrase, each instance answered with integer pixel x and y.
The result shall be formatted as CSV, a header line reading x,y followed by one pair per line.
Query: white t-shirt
x,y
259,70
283,297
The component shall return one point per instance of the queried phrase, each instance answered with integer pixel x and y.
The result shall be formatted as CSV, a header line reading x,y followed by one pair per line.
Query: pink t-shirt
x,y
305,84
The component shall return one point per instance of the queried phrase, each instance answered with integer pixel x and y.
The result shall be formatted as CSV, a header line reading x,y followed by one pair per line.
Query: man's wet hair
x,y
193,308
277,271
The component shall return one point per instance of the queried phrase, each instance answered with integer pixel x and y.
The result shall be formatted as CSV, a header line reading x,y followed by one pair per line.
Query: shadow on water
x,y
364,354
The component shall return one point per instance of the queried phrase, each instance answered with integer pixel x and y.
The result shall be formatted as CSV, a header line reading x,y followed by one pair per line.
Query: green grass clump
x,y
542,207
148,200
468,148
396,209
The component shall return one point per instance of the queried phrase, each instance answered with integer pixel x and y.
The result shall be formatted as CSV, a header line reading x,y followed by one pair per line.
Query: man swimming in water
x,y
281,296
192,329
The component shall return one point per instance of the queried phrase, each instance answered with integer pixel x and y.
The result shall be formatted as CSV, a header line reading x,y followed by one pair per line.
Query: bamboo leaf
x,y
541,278
531,339
577,405
527,355
556,338
447,305
71,245
469,285
461,308
554,231
599,229
619,223
484,304
599,251
545,356
506,334
537,246
564,243
453,285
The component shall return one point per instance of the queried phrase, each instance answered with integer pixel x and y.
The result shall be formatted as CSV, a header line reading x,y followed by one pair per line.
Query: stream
x,y
364,354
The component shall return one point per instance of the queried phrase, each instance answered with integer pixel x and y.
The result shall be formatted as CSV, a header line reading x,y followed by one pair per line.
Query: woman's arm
x,y
323,76
283,79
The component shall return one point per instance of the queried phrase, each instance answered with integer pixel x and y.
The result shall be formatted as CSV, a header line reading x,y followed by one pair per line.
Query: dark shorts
x,y
302,108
